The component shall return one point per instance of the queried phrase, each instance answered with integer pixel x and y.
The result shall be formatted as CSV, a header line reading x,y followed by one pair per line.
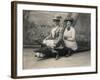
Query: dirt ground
x,y
76,60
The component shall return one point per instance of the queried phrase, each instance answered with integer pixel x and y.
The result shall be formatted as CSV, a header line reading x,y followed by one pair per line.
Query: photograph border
x,y
14,37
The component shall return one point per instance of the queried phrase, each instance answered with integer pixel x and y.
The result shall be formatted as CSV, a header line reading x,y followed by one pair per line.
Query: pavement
x,y
76,60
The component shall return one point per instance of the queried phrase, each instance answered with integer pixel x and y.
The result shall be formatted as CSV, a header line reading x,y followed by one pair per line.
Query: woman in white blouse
x,y
69,36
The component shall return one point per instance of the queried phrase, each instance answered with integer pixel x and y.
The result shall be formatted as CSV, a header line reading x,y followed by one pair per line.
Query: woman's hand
x,y
65,38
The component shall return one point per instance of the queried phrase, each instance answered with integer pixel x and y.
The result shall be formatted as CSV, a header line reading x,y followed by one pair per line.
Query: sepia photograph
x,y
56,39
53,39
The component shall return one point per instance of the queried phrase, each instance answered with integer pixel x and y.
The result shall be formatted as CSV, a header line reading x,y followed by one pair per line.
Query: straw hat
x,y
68,19
57,18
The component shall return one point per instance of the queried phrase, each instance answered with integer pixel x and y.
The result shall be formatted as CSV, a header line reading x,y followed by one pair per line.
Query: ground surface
x,y
77,59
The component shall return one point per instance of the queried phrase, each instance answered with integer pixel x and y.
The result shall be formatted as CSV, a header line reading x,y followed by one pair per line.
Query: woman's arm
x,y
72,37
49,36
60,37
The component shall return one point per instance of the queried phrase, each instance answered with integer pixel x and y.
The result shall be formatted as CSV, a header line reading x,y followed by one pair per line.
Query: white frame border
x,y
21,72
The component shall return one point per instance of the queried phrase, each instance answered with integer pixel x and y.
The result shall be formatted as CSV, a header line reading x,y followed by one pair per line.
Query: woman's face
x,y
57,22
68,23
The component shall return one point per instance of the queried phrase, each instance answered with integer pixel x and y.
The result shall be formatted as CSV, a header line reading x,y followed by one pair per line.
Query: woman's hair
x,y
69,19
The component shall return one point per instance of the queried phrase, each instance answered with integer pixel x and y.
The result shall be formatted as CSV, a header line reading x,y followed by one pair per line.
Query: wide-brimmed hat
x,y
68,19
57,18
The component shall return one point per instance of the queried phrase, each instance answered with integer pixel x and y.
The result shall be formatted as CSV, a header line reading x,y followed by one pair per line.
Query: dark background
x,y
38,24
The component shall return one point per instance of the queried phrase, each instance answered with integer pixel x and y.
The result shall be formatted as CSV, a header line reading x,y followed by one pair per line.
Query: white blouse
x,y
69,38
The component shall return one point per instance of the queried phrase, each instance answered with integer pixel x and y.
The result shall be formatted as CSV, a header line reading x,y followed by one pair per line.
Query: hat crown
x,y
57,17
68,19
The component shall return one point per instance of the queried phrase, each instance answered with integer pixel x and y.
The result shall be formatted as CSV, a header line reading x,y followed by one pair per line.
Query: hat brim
x,y
56,20
68,20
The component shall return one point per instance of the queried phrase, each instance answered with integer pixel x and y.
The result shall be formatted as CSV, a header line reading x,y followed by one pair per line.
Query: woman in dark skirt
x,y
52,41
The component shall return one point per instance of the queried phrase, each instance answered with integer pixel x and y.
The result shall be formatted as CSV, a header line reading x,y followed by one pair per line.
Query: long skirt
x,y
71,44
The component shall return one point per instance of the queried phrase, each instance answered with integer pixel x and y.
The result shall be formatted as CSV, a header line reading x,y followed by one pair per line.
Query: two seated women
x,y
61,37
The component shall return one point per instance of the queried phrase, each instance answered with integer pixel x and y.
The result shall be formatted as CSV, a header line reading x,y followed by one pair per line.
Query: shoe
x,y
35,55
57,57
67,55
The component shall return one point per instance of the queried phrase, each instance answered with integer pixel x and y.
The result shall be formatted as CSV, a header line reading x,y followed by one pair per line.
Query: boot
x,y
69,53
57,56
56,53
